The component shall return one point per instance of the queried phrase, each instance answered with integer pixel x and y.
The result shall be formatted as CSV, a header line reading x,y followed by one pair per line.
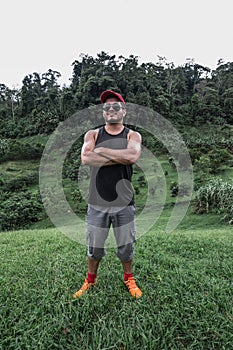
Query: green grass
x,y
42,139
13,169
186,278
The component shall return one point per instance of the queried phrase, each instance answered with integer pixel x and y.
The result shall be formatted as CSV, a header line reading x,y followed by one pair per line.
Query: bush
x,y
4,148
183,190
18,150
211,161
20,182
215,196
19,210
71,167
142,181
22,150
174,188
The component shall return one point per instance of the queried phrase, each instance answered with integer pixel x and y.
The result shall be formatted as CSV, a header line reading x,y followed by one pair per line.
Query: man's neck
x,y
114,129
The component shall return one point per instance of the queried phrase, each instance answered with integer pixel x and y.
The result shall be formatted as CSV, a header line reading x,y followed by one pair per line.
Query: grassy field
x,y
186,278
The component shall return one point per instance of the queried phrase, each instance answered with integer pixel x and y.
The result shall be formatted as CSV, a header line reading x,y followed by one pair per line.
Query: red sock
x,y
91,277
127,276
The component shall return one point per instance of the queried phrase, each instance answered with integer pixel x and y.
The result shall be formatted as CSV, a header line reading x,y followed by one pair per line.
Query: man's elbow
x,y
130,160
84,159
133,158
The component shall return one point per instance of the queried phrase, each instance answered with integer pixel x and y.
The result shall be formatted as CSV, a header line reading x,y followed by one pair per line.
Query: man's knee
x,y
96,253
126,252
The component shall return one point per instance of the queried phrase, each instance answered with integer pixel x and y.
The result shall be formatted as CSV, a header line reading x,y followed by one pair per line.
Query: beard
x,y
112,119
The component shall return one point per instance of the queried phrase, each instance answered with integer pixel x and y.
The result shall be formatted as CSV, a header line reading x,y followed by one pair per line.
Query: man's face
x,y
113,111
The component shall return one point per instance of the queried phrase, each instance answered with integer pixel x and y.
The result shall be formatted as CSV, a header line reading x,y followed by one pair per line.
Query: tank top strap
x,y
103,135
126,131
100,134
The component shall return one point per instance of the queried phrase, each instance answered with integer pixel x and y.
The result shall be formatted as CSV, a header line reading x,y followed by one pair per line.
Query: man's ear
x,y
124,112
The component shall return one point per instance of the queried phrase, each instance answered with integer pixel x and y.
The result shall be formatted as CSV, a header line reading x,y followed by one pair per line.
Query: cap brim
x,y
108,93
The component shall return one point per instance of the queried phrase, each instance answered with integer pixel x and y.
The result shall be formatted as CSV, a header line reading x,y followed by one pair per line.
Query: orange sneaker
x,y
133,288
85,287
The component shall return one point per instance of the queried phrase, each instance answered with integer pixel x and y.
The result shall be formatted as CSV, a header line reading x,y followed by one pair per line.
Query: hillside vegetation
x,y
194,98
189,94
210,151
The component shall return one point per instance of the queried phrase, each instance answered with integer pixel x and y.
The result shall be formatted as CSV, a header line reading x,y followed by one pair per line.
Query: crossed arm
x,y
106,156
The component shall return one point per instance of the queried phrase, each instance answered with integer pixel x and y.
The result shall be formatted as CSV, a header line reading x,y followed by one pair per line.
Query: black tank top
x,y
111,185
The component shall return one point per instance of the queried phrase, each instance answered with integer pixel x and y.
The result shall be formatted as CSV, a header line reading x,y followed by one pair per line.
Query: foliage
x,y
80,205
19,149
71,167
174,188
189,94
216,196
142,181
4,148
20,182
183,190
18,210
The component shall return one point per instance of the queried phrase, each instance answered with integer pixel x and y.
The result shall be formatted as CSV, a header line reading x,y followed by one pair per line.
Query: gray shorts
x,y
98,223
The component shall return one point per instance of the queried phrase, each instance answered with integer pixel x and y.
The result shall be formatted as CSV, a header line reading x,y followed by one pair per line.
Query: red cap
x,y
110,93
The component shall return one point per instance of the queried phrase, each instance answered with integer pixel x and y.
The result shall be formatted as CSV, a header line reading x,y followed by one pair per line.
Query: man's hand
x,y
102,156
99,150
124,156
88,154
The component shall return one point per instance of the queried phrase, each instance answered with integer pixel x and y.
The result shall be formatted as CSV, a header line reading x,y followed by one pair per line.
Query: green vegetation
x,y
210,161
190,94
217,196
186,278
195,99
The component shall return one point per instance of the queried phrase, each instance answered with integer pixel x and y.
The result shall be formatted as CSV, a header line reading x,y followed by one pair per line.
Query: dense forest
x,y
189,94
196,99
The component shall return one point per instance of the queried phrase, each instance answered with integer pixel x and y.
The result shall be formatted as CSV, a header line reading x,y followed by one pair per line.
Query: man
x,y
110,152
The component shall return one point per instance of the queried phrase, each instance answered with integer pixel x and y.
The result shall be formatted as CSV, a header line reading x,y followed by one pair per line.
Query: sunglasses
x,y
115,106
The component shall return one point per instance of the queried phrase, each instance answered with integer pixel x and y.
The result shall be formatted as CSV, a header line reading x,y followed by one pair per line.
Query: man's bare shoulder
x,y
91,134
134,135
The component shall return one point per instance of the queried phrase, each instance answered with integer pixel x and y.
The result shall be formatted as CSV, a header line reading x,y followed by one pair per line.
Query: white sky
x,y
38,35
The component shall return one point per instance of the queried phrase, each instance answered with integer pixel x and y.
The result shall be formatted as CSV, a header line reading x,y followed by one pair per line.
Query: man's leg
x,y
96,235
128,270
93,265
127,267
90,280
92,269
125,234
129,279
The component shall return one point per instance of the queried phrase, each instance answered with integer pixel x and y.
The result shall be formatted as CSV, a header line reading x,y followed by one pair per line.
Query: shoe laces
x,y
131,284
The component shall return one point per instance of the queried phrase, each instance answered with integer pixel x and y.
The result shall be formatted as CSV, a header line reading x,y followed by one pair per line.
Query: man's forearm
x,y
96,160
120,156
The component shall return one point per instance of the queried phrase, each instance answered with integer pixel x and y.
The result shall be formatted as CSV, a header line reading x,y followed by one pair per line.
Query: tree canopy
x,y
190,94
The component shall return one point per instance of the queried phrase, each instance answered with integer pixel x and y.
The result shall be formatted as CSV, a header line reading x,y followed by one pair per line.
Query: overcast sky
x,y
38,35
